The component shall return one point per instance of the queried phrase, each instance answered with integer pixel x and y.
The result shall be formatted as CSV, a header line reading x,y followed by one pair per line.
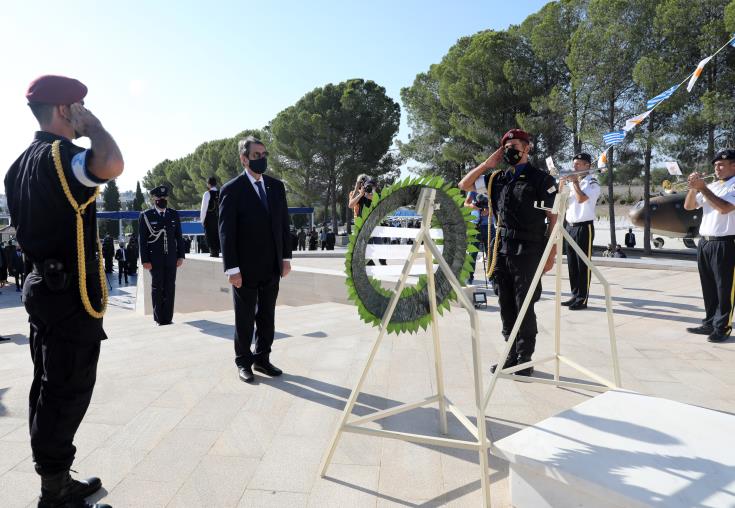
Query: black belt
x,y
718,238
575,224
514,234
57,266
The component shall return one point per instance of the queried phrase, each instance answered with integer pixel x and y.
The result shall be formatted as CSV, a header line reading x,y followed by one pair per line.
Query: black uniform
x,y
161,244
211,223
131,252
121,256
108,251
522,241
64,339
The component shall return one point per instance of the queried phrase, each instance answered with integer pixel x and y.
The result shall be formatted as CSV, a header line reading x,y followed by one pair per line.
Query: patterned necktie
x,y
261,193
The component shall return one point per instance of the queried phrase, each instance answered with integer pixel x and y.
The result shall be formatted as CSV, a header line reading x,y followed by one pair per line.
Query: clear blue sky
x,y
166,76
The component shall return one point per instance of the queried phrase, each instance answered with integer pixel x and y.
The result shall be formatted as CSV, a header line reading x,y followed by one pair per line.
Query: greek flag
x,y
732,41
614,137
661,97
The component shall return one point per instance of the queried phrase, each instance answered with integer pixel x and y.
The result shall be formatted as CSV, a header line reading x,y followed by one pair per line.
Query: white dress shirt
x,y
583,212
715,223
253,180
205,205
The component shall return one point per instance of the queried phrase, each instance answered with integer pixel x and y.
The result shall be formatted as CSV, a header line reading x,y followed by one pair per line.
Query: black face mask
x,y
258,165
512,156
161,202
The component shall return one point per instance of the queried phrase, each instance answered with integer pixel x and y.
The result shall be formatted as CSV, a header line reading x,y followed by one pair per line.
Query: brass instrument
x,y
670,188
566,174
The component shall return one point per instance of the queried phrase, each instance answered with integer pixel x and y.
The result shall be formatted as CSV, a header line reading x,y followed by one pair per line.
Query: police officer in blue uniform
x,y
51,190
161,252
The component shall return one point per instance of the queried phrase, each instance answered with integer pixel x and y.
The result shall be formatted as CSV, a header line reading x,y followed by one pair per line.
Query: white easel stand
x,y
480,443
558,235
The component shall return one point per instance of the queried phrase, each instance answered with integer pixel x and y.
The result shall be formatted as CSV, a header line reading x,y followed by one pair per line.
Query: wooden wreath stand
x,y
426,206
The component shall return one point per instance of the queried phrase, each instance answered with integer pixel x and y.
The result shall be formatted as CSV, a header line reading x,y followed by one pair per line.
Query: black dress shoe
x,y
567,303
511,361
718,336
246,374
528,371
701,330
62,491
578,306
267,368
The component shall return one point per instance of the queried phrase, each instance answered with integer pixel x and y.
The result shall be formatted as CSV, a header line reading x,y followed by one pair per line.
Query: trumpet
x,y
567,173
670,187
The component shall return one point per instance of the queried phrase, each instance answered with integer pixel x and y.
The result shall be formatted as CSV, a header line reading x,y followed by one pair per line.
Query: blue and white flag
x,y
661,97
614,137
732,41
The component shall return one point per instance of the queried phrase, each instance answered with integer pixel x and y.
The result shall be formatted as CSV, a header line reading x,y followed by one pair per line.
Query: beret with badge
x,y
726,154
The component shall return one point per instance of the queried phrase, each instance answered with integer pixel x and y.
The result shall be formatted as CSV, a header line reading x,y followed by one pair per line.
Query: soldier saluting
x,y
161,252
51,190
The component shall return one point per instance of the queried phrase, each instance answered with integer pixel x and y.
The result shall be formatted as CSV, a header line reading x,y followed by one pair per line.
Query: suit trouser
x,y
163,290
716,263
580,275
65,347
513,276
255,304
122,271
211,232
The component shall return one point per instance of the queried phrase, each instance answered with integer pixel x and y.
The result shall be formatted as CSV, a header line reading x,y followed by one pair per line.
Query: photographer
x,y
514,194
480,212
361,197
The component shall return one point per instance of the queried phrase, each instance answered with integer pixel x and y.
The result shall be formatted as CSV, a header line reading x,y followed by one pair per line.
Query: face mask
x,y
258,166
512,156
161,203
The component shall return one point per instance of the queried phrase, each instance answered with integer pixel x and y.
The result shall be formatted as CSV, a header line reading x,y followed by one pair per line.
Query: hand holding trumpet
x,y
695,181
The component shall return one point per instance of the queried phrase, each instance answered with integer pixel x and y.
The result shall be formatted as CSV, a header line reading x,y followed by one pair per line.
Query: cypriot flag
x,y
636,120
602,160
697,73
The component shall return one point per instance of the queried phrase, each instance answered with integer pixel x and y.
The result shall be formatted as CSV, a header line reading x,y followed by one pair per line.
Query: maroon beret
x,y
56,90
515,134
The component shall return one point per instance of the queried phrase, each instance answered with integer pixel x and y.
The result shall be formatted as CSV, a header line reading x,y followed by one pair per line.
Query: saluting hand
x,y
82,119
495,158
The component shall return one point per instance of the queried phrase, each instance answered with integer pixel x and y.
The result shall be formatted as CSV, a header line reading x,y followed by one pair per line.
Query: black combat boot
x,y
60,490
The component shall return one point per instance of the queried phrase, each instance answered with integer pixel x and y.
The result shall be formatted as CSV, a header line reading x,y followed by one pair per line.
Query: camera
x,y
481,201
369,186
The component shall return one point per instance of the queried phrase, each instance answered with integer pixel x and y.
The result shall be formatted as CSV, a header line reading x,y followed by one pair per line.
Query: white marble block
x,y
624,449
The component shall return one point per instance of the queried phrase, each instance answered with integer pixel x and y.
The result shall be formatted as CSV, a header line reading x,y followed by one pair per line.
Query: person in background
x,y
302,239
132,254
19,269
630,238
480,213
121,256
108,252
619,252
331,239
580,224
3,266
323,239
208,216
161,252
716,249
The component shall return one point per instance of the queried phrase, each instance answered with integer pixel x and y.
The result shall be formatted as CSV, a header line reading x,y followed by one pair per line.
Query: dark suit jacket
x,y
253,239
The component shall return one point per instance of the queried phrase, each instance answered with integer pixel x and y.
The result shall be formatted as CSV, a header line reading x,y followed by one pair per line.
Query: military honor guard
x,y
51,190
522,233
209,217
580,224
716,249
161,252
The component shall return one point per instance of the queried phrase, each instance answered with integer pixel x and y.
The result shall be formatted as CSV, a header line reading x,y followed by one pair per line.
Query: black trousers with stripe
x,y
580,275
716,262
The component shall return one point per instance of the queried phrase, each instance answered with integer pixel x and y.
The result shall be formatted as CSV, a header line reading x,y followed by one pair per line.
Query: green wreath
x,y
412,310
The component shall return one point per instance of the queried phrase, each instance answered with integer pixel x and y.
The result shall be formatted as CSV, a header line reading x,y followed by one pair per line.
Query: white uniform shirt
x,y
205,205
715,223
583,212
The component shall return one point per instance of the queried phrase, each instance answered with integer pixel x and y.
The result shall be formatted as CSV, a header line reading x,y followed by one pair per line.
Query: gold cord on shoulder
x,y
81,265
494,258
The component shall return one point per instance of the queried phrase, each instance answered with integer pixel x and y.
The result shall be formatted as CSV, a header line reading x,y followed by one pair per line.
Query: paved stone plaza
x,y
171,424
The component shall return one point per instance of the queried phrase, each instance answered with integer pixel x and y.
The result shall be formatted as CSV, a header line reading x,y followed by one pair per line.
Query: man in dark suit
x,y
256,252
121,256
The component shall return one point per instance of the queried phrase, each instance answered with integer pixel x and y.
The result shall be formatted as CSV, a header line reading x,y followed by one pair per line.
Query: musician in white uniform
x,y
716,250
580,218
